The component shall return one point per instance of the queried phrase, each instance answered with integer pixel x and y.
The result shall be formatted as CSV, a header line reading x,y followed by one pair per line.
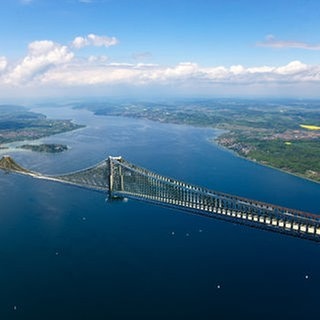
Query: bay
x,y
69,254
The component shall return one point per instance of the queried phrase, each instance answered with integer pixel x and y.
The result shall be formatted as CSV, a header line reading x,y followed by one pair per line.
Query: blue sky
x,y
148,47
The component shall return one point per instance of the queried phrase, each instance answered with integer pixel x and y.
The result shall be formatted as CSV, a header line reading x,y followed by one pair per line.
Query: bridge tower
x,y
115,176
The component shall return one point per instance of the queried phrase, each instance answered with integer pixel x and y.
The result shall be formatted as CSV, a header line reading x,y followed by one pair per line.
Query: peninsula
x,y
17,123
284,134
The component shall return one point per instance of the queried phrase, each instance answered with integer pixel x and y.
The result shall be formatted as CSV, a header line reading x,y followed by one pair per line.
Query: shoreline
x,y
215,140
16,144
262,164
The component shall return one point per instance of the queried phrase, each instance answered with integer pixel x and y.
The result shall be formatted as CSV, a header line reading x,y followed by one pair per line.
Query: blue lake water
x,y
66,253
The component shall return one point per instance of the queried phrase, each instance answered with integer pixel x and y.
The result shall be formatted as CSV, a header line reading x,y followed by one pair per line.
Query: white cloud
x,y
238,69
42,56
98,59
272,42
216,73
263,69
182,70
53,65
94,40
3,63
79,42
97,73
293,67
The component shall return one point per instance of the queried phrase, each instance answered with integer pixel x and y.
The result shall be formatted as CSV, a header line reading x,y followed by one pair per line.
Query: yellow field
x,y
309,127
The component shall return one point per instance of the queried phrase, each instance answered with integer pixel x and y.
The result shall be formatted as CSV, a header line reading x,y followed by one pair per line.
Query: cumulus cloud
x,y
52,65
3,63
94,40
42,55
272,42
186,72
238,69
294,67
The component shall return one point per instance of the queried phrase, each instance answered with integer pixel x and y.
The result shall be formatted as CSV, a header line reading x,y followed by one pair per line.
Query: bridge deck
x,y
123,179
135,182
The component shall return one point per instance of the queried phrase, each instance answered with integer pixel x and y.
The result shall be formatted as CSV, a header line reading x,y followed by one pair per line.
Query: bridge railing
x,y
123,179
135,182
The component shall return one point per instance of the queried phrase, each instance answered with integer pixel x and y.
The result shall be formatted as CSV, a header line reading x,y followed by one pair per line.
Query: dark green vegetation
x,y
51,148
301,157
17,123
265,131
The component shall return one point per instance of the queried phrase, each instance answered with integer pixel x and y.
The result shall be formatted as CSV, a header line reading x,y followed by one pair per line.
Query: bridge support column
x,y
113,175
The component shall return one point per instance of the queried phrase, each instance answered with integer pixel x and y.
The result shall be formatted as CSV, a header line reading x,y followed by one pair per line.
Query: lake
x,y
67,253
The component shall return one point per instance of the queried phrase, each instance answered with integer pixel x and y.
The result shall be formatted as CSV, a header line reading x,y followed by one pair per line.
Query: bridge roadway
x,y
122,179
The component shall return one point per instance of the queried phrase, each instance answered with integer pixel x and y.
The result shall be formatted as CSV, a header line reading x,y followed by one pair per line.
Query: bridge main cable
x,y
122,179
138,183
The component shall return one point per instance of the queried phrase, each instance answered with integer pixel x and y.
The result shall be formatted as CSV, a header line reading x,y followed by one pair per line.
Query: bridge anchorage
x,y
122,179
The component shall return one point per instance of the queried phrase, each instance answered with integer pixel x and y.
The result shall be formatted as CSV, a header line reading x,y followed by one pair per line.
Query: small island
x,y
50,148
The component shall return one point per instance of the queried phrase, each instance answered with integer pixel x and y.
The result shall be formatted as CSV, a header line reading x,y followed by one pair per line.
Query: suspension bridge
x,y
122,179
